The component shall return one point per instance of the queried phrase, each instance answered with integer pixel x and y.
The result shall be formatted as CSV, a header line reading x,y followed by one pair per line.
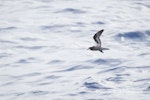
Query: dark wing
x,y
96,37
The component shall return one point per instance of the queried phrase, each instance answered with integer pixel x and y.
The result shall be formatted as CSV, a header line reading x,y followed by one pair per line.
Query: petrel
x,y
98,46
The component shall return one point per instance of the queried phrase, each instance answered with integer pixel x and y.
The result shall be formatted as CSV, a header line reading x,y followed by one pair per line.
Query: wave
x,y
135,35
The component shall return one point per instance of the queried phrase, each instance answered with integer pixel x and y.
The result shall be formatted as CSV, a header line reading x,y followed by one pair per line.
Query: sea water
x,y
44,56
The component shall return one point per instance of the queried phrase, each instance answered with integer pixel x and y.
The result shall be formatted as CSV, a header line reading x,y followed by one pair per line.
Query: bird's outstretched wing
x,y
96,37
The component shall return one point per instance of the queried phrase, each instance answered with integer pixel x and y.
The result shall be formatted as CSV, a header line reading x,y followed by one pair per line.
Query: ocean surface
x,y
44,56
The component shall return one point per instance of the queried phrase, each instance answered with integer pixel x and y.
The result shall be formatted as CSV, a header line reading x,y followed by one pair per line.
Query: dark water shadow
x,y
98,23
28,60
52,27
51,77
30,74
7,41
143,80
3,55
75,31
74,68
114,70
7,28
29,39
39,92
116,79
71,10
55,62
147,89
7,84
30,47
46,1
94,86
13,94
110,62
144,4
80,23
47,80
143,54
140,36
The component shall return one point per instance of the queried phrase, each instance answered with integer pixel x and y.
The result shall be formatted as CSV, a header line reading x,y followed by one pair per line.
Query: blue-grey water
x,y
44,56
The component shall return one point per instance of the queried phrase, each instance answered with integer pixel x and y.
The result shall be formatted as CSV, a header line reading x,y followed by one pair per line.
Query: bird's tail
x,y
105,48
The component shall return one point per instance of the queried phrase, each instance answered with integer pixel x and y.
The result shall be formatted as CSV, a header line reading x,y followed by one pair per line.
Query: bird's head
x,y
90,48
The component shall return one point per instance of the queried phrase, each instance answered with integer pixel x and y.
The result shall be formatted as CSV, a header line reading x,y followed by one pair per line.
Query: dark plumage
x,y
96,37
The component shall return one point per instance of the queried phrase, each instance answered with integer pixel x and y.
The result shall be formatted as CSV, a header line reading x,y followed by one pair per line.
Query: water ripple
x,y
27,60
51,77
94,86
137,35
46,27
30,74
71,10
148,88
7,41
147,32
74,68
145,79
30,47
116,79
37,92
55,62
3,55
115,70
113,62
7,28
29,39
99,23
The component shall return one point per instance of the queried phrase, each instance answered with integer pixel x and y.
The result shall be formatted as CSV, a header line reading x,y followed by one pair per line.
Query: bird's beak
x,y
88,49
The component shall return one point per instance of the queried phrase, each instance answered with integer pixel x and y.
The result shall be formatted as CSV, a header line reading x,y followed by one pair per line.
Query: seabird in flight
x,y
98,46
